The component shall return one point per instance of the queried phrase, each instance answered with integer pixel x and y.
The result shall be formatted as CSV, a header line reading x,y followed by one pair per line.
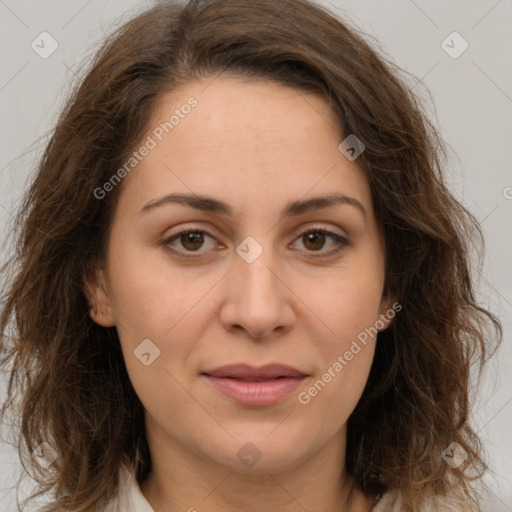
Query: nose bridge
x,y
259,300
258,284
258,281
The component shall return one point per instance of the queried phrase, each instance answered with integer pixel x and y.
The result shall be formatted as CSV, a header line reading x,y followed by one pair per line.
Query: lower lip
x,y
260,393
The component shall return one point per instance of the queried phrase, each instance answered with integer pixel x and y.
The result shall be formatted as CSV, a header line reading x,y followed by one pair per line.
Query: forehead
x,y
260,140
258,115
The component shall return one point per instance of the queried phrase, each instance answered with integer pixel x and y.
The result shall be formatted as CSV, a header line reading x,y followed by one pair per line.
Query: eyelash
x,y
341,242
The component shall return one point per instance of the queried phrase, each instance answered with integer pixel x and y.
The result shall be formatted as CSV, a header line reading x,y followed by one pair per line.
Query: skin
x,y
255,145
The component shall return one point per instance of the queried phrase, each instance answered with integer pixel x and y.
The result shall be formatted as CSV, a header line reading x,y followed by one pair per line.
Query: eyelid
x,y
324,229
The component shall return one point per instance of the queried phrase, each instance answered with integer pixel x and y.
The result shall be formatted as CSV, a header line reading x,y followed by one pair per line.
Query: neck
x,y
181,480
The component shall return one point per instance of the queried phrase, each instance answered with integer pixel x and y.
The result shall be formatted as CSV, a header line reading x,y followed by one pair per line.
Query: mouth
x,y
257,387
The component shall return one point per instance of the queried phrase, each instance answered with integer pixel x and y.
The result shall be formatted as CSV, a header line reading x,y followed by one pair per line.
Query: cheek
x,y
149,296
156,302
332,396
349,306
346,356
349,302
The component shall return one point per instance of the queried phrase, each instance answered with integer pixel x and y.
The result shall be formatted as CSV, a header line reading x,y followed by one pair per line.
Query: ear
x,y
389,307
96,290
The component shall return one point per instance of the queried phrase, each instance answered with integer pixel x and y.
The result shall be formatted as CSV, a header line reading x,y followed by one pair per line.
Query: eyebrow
x,y
293,208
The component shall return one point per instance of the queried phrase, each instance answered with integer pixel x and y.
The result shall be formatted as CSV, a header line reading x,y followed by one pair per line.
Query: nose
x,y
258,299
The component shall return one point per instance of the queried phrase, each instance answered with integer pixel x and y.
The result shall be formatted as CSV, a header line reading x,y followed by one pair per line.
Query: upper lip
x,y
245,371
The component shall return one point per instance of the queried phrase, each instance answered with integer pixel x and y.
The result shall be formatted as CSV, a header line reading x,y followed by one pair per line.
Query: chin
x,y
261,452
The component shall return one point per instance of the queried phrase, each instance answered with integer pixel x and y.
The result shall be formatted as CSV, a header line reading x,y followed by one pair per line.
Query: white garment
x,y
391,503
129,497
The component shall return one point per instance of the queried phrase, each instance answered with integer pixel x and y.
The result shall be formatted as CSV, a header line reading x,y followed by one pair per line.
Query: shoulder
x,y
392,502
129,497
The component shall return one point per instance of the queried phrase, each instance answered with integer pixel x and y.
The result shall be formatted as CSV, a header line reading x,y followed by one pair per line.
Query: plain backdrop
x,y
469,96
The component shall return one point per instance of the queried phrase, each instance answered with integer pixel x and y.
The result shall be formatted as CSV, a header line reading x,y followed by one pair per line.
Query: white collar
x,y
129,497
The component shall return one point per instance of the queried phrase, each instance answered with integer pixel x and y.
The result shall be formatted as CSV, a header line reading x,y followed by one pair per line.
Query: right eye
x,y
191,240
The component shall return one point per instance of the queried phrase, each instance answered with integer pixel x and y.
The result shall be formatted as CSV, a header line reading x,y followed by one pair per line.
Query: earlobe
x,y
96,291
389,308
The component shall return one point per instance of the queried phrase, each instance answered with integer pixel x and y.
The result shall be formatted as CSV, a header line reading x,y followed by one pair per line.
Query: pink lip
x,y
251,386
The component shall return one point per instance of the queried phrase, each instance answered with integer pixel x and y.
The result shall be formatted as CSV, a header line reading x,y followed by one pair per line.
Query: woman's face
x,y
257,281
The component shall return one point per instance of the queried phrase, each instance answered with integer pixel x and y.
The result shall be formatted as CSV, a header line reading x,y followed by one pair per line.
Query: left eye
x,y
313,240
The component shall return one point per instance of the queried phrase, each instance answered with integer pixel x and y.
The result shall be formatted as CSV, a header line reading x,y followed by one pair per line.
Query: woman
x,y
241,281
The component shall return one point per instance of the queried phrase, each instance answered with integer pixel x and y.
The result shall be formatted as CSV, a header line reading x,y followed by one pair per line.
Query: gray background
x,y
470,102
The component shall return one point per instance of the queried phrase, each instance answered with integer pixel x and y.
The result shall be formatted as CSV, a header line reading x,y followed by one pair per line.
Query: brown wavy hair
x,y
68,383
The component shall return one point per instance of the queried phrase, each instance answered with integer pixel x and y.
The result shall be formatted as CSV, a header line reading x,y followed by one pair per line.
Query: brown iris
x,y
196,240
317,238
